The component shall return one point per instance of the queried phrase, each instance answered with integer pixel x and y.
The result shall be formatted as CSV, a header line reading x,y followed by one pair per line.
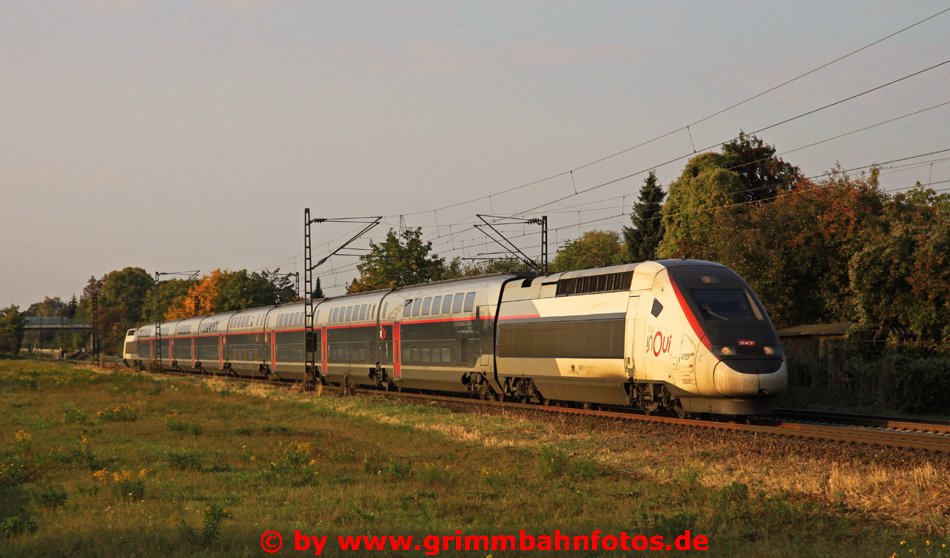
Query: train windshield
x,y
726,304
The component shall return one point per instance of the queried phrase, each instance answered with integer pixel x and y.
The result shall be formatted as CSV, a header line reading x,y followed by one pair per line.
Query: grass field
x,y
123,464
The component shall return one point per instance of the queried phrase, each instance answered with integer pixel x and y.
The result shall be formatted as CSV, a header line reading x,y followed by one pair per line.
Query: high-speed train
x,y
684,336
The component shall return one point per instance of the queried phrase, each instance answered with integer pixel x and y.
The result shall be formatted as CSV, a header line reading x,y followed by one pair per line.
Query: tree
x,y
901,277
592,249
225,291
284,290
794,251
12,328
71,307
205,292
317,290
241,290
699,203
173,292
762,173
126,291
47,308
644,236
399,260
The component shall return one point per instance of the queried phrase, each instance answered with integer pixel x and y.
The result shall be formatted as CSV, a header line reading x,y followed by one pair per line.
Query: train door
x,y
629,336
324,355
687,361
397,352
273,349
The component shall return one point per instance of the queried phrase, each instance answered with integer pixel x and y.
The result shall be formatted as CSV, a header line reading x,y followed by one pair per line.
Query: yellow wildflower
x,y
22,436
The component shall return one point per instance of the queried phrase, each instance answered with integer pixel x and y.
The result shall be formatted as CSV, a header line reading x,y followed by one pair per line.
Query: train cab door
x,y
687,361
629,354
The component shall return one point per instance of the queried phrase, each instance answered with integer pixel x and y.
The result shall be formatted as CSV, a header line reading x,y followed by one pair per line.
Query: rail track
x,y
915,434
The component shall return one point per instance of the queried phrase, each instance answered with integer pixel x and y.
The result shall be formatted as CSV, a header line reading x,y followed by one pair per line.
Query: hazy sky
x,y
178,135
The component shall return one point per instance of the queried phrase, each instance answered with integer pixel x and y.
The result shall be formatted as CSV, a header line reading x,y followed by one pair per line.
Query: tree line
x,y
128,297
834,249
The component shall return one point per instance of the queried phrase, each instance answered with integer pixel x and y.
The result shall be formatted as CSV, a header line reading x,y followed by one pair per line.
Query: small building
x,y
809,351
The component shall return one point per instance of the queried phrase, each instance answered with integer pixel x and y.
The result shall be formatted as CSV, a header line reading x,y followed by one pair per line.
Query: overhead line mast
x,y
313,374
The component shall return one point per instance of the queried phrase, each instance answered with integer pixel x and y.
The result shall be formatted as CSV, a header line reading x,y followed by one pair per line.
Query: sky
x,y
176,135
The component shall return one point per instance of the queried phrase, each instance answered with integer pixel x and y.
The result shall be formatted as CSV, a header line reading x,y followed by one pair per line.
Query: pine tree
x,y
317,290
647,230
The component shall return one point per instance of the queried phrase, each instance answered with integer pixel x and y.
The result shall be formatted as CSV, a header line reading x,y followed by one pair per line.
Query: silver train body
x,y
685,336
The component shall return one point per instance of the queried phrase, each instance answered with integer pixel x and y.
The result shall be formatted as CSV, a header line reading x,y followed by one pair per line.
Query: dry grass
x,y
914,491
225,461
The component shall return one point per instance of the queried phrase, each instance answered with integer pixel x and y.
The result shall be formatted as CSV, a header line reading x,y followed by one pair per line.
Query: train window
x,y
436,304
415,354
416,307
425,354
657,308
469,302
349,314
447,304
457,303
446,354
333,315
726,304
426,305
407,307
362,312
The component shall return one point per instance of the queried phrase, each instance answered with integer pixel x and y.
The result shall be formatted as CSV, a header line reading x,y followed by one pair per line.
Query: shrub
x,y
184,427
294,466
209,534
75,415
50,496
186,460
122,413
16,525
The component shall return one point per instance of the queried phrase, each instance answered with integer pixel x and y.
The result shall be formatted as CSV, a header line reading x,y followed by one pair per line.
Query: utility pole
x,y
95,327
313,374
510,246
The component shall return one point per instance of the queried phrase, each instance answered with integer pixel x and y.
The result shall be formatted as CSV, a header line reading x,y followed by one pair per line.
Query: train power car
x,y
683,336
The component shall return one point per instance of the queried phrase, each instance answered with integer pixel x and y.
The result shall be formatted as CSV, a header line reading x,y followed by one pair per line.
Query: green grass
x,y
123,464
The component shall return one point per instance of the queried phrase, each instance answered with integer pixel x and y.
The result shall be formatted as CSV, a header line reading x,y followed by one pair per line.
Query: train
x,y
688,337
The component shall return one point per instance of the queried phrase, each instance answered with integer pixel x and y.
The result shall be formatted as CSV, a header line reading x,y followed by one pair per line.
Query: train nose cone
x,y
733,383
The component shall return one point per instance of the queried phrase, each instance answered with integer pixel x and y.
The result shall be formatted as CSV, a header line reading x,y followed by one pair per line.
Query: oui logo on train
x,y
660,343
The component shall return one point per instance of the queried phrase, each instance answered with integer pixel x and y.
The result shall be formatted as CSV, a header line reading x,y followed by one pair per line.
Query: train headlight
x,y
724,351
773,351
